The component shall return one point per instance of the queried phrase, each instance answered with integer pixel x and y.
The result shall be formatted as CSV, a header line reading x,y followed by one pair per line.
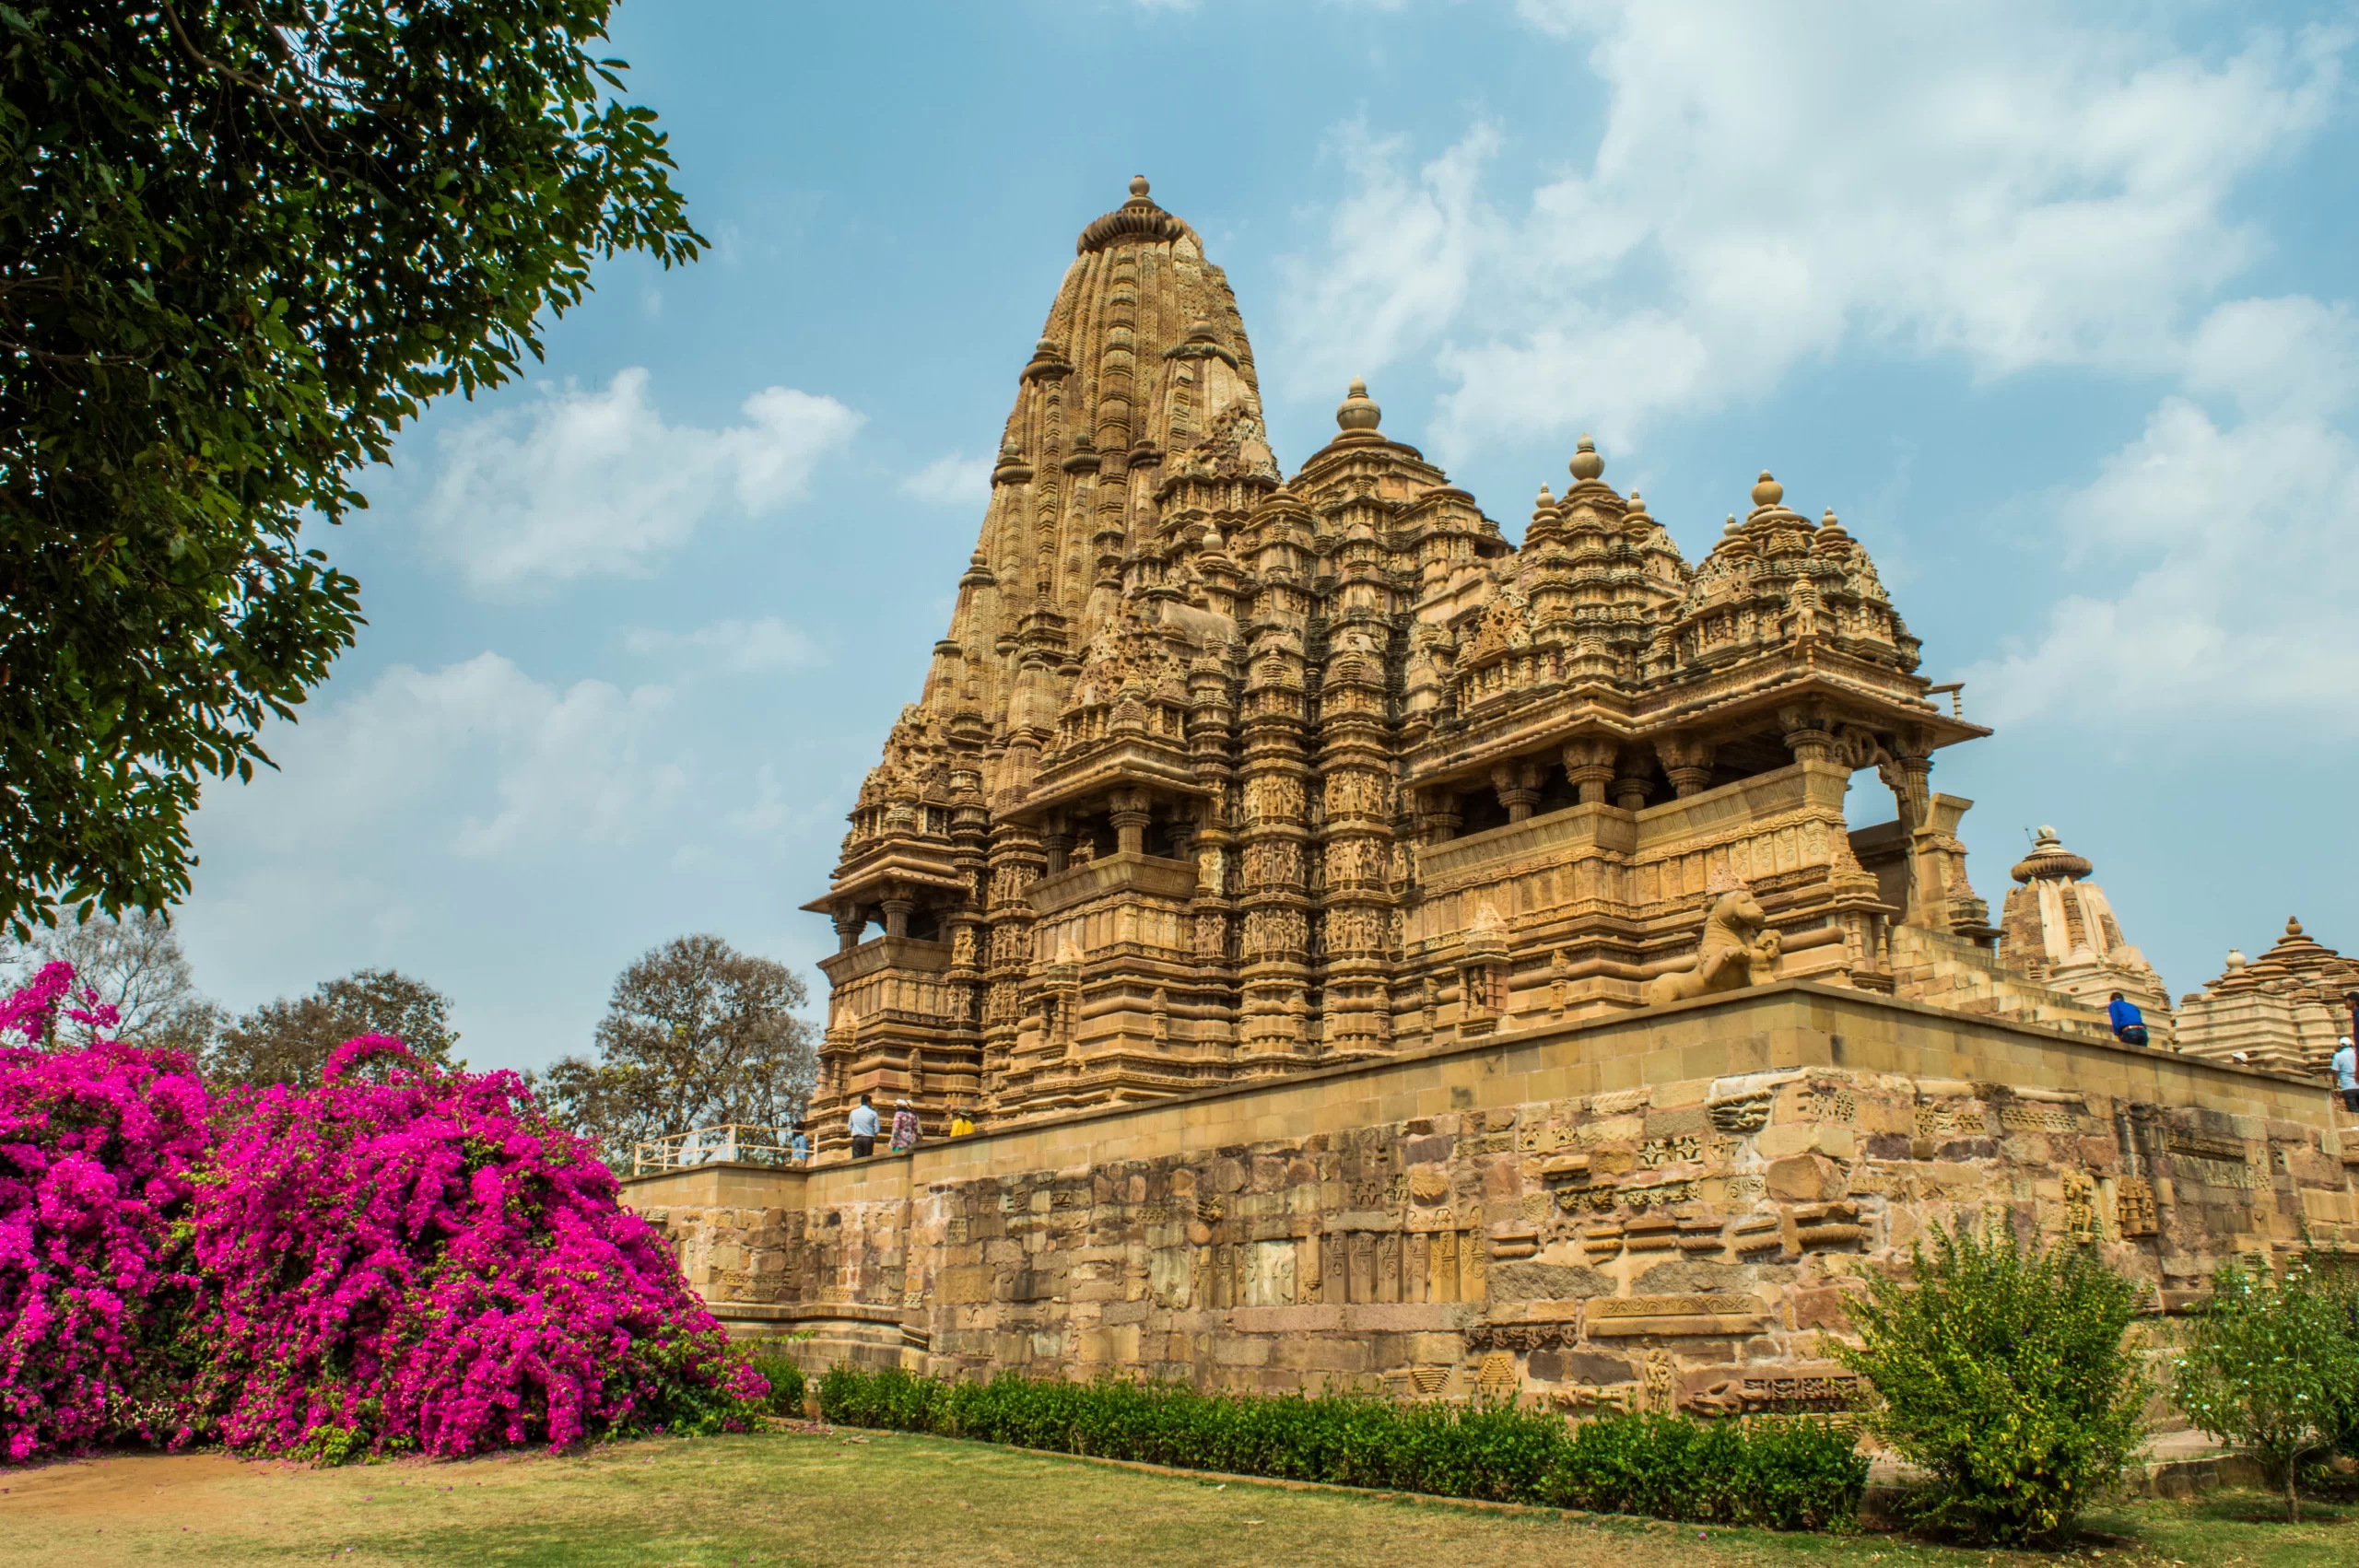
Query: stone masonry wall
x,y
1666,1209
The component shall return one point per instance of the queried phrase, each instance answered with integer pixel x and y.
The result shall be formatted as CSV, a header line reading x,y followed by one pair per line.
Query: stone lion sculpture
x,y
1739,950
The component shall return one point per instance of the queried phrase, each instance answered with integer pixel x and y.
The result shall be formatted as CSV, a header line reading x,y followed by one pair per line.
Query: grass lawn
x,y
863,1500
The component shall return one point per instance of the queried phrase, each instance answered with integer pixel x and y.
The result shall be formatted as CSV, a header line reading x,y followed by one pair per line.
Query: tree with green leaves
x,y
242,243
288,1041
134,965
2272,1365
2005,1371
698,1035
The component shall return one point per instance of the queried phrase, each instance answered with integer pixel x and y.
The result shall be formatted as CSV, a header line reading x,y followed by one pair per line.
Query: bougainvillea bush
x,y
407,1258
97,1153
414,1259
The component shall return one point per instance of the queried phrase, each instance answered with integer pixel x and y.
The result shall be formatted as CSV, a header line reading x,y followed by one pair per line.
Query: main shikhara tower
x,y
1219,775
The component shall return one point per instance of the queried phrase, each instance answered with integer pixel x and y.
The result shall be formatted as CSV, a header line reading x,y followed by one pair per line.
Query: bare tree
x,y
288,1041
135,964
697,1033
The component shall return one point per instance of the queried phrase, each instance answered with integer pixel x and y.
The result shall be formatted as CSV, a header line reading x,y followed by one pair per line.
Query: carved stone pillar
x,y
1687,762
850,920
1133,810
1015,863
1274,1025
1631,783
1057,839
1518,787
1907,768
1809,733
898,906
1437,815
1590,765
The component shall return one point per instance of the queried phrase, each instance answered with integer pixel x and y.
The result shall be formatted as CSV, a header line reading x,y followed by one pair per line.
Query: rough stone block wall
x,y
1664,1210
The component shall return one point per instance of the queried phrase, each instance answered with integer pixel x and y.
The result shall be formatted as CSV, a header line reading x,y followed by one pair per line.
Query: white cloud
x,y
951,480
504,764
2232,543
1980,180
739,647
580,483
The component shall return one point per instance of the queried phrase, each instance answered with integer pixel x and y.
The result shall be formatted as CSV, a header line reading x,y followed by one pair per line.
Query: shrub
x,y
425,1262
2272,1365
414,1261
786,1379
1796,1473
97,1147
2005,1373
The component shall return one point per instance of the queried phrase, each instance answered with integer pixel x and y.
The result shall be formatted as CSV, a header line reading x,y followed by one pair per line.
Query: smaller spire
x,y
1358,411
1138,185
1730,527
1586,464
1637,515
2049,859
1544,518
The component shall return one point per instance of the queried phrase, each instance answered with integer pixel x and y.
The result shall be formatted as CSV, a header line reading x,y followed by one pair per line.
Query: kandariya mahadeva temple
x,y
1375,951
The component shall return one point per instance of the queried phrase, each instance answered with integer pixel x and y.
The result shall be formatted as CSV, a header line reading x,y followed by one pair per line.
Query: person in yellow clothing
x,y
961,1125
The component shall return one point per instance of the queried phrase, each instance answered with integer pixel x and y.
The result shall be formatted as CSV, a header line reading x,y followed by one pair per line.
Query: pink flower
x,y
410,1261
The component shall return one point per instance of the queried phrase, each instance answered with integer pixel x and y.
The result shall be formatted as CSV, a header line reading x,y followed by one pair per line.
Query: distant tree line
x,y
696,1033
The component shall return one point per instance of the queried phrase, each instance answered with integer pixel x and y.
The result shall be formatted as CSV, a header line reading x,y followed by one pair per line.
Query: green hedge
x,y
1787,1473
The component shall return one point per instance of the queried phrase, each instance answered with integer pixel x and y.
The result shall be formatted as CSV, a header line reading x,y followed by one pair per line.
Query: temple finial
x,y
1586,464
1357,411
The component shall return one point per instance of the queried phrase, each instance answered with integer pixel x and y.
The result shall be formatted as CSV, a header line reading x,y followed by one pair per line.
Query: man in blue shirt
x,y
2346,1075
2129,1023
863,1130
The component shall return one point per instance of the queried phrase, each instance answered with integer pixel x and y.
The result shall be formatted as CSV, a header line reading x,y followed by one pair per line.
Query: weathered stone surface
x,y
1802,1177
1667,1277
1580,1366
1547,1282
1704,1281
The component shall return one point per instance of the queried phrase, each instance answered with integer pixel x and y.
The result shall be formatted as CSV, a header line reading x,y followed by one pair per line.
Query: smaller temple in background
x,y
2060,927
2282,1010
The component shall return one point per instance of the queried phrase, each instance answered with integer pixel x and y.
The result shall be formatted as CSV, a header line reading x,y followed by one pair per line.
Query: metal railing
x,y
729,1141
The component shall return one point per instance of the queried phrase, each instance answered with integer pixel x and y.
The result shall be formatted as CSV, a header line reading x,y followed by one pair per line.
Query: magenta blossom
x,y
416,1261
427,1263
97,1150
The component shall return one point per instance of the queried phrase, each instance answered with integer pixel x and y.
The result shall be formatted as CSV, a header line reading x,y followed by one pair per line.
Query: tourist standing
x,y
863,1130
905,1128
2129,1023
799,1146
961,1124
2346,1075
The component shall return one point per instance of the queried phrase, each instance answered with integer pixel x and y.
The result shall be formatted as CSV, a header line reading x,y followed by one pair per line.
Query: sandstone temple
x,y
1374,950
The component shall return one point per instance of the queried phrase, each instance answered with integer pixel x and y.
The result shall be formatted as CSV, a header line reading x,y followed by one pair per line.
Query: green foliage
x,y
2272,1365
697,1034
289,1040
786,1380
1796,1473
2006,1373
240,245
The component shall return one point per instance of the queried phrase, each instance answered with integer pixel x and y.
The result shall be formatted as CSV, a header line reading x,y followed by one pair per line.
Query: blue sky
x,y
2054,311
